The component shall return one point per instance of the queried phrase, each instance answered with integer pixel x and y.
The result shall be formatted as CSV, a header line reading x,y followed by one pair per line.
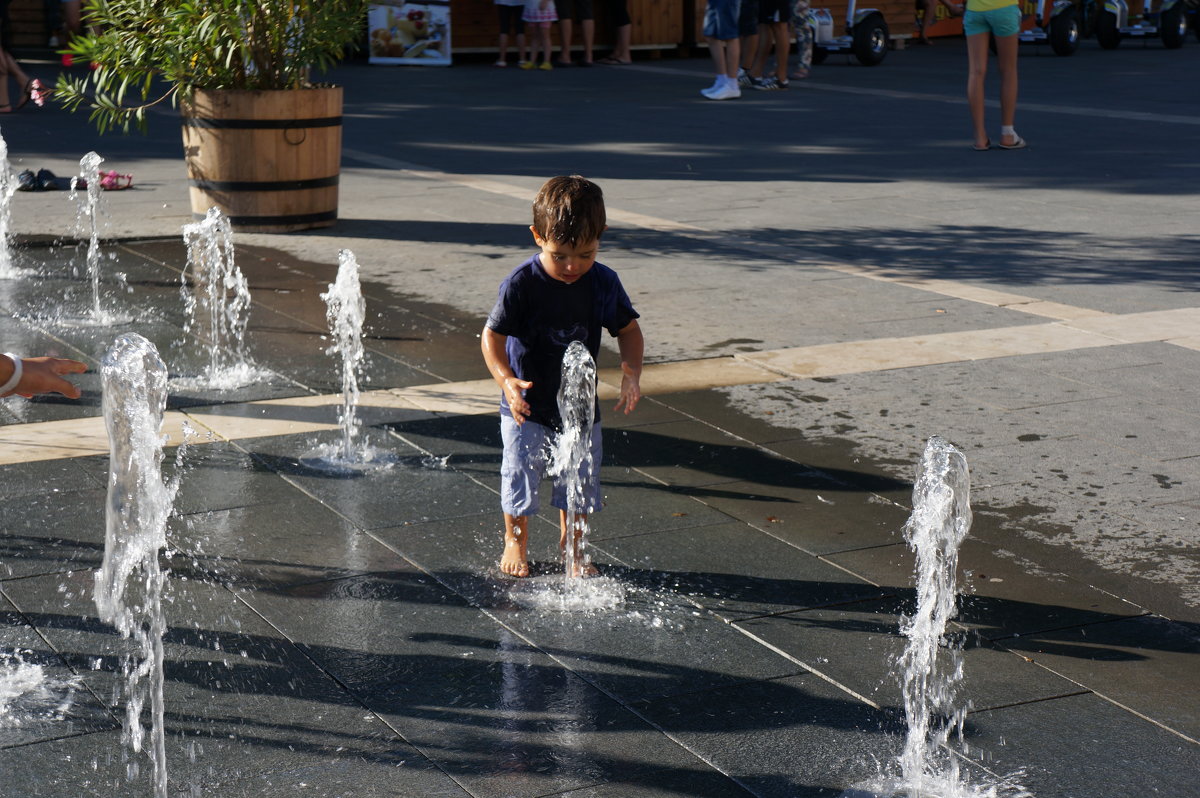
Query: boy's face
x,y
564,262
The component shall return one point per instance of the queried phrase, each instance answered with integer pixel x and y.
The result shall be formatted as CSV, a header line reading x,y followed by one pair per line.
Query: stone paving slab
x,y
1003,595
736,571
784,738
992,676
1147,664
228,673
474,697
1139,757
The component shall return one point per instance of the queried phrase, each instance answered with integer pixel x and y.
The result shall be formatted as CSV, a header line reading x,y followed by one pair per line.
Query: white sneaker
x,y
718,83
728,91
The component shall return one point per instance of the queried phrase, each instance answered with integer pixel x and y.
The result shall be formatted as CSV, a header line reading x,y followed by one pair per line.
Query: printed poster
x,y
410,33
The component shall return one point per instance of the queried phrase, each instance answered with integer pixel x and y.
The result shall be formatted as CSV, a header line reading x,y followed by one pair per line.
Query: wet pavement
x,y
827,277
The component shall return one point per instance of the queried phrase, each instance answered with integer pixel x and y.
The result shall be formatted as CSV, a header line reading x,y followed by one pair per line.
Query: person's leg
x,y
11,68
576,559
502,12
804,48
514,560
716,51
547,44
522,465
782,47
733,56
522,49
927,15
623,51
1006,61
565,33
749,47
573,526
5,104
977,56
764,47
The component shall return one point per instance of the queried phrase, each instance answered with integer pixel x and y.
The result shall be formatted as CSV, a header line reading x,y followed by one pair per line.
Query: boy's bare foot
x,y
584,571
515,561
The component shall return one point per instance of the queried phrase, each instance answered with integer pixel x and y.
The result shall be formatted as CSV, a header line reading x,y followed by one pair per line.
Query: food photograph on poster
x,y
410,33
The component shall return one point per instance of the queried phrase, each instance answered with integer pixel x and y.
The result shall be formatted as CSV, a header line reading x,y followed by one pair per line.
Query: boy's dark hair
x,y
569,210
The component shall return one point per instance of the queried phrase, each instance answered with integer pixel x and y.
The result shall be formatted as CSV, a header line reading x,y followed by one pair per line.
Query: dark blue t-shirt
x,y
541,317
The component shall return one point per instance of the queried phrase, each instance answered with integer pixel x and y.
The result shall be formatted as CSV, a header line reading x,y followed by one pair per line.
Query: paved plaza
x,y
827,277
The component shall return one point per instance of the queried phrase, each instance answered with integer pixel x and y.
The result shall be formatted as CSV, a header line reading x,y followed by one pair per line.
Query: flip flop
x,y
984,148
610,61
1019,144
112,181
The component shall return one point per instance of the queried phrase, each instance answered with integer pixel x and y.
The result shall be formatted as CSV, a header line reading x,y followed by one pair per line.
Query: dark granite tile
x,y
735,571
266,546
243,705
415,488
838,458
47,477
42,699
859,646
1002,594
1148,664
694,454
500,716
54,532
812,512
634,504
784,738
220,476
1084,746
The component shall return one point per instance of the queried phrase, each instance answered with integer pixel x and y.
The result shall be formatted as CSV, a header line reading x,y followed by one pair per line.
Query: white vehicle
x,y
1168,23
1060,28
866,34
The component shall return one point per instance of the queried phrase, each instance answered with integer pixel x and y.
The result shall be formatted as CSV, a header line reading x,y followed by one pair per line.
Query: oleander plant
x,y
147,52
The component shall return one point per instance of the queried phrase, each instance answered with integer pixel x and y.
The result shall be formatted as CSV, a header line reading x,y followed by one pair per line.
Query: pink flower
x,y
38,92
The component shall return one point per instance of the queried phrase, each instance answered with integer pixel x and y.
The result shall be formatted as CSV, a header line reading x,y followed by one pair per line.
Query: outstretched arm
x,y
39,375
496,356
632,347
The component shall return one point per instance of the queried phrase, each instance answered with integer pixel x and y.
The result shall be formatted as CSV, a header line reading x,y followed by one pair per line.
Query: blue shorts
x,y
523,466
1000,21
721,19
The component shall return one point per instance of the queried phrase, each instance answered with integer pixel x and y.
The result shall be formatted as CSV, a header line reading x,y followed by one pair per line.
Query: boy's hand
x,y
631,389
42,375
514,391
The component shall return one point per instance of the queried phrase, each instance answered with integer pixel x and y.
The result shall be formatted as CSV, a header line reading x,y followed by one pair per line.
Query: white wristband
x,y
15,379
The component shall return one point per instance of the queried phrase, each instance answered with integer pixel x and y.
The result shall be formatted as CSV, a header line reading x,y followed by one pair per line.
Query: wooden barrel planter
x,y
270,160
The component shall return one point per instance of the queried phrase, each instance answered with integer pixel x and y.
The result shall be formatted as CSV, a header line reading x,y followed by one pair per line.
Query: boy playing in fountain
x,y
559,295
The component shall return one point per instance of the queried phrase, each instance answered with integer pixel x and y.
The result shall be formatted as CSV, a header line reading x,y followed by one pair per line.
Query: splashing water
x,y
89,171
933,669
129,585
572,454
8,187
346,310
27,693
216,297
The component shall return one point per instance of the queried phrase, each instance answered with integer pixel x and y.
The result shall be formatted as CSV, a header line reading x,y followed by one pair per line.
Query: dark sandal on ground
x,y
1018,144
610,61
984,148
47,180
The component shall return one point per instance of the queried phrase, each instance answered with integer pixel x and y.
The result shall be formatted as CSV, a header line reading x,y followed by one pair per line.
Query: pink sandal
x,y
112,181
